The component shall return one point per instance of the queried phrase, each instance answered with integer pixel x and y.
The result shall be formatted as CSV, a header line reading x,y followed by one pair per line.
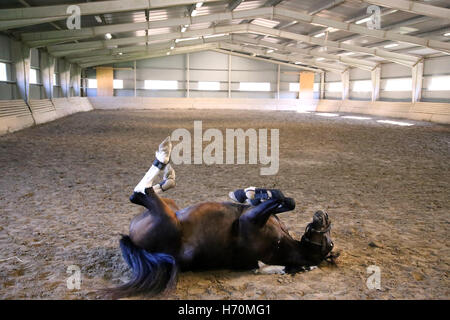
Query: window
x,y
209,85
398,123
3,74
335,87
160,85
254,86
404,84
92,83
362,86
439,84
294,86
56,79
33,76
316,87
118,84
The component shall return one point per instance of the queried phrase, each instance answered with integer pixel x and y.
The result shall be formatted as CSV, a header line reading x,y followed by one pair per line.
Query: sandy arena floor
x,y
64,190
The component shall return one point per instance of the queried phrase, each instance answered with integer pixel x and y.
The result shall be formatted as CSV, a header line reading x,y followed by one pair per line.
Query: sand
x,y
64,190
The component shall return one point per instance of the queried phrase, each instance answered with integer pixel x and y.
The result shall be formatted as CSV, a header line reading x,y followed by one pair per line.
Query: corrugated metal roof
x,y
348,11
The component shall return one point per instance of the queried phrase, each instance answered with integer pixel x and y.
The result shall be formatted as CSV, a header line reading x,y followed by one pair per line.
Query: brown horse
x,y
209,235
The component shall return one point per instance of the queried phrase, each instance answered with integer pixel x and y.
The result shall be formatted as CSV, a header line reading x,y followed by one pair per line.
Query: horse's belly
x,y
208,236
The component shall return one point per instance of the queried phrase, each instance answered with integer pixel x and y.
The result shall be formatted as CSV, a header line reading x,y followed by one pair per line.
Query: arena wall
x,y
16,114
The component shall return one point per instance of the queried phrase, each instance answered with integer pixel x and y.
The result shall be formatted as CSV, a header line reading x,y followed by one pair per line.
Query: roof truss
x,y
56,41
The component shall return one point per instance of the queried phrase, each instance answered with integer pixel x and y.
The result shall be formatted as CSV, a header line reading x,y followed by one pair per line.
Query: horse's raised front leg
x,y
258,216
255,196
266,202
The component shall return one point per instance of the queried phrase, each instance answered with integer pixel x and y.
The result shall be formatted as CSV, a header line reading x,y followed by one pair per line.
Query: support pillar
x,y
229,76
75,79
135,81
47,69
188,84
375,75
21,56
278,82
64,73
345,79
417,80
322,85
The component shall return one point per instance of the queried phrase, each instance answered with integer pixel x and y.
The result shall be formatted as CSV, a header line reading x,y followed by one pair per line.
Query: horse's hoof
x,y
277,195
136,198
289,203
238,196
164,150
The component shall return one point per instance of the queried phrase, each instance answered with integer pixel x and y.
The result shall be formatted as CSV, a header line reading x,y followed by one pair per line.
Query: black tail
x,y
153,273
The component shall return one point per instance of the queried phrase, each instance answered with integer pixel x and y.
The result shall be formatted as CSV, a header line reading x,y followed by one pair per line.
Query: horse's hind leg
x,y
158,229
161,162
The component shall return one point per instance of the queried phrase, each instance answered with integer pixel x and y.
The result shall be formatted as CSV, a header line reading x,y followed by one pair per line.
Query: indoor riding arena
x,y
343,105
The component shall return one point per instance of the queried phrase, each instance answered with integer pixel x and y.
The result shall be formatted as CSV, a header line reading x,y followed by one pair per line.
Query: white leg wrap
x,y
163,155
157,189
168,182
147,180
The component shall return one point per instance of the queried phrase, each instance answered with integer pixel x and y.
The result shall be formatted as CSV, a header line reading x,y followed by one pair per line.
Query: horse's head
x,y
314,247
316,243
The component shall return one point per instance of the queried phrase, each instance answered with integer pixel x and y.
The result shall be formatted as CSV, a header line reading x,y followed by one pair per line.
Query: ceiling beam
x,y
30,38
168,45
267,60
272,3
78,57
351,27
413,7
36,38
290,58
68,50
65,49
40,38
34,15
154,54
327,6
387,55
358,63
234,4
166,48
75,48
191,49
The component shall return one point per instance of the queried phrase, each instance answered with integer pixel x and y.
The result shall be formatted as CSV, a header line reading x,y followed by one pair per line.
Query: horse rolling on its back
x,y
211,235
